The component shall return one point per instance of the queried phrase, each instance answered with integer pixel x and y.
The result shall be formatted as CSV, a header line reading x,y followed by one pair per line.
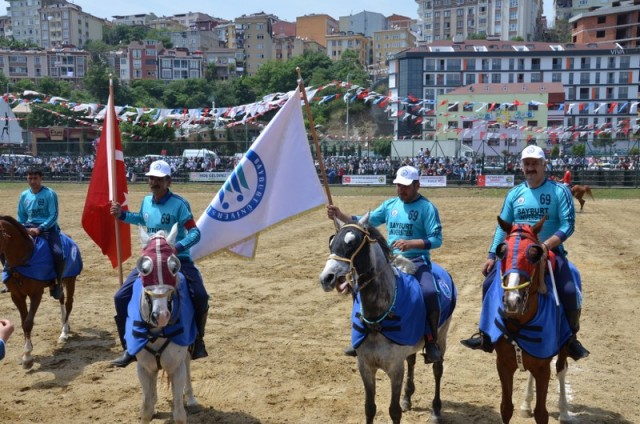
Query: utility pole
x,y
346,97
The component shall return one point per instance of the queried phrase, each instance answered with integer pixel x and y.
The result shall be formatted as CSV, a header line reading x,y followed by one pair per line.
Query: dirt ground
x,y
275,339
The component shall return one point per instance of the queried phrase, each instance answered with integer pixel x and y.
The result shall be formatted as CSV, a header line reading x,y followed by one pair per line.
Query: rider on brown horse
x,y
528,203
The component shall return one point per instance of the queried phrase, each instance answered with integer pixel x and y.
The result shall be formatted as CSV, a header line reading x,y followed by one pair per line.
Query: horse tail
x,y
587,190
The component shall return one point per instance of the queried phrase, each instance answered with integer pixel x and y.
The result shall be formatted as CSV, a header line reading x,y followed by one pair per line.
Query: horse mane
x,y
19,227
376,234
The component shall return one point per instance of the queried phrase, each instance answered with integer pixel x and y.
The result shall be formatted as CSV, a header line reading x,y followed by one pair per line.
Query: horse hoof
x,y
405,406
63,339
27,364
193,409
435,418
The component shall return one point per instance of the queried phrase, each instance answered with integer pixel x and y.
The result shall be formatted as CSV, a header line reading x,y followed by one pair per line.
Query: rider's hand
x,y
33,232
333,212
488,266
115,209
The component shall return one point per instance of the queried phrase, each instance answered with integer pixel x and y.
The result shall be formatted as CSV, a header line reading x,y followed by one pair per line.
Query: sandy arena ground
x,y
275,339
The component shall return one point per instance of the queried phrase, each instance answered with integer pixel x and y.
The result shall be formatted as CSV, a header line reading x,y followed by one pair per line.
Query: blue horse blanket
x,y
406,322
40,265
544,335
181,330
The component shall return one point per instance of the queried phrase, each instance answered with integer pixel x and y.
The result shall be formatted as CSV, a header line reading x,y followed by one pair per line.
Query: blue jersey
x,y
524,205
171,209
410,221
39,209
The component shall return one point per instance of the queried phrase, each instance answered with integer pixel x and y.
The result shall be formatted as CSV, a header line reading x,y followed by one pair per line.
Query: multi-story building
x,y
194,40
177,64
565,9
142,59
63,24
316,27
497,119
5,26
142,19
286,47
363,22
619,23
257,30
388,43
600,82
189,20
224,61
340,42
63,63
504,19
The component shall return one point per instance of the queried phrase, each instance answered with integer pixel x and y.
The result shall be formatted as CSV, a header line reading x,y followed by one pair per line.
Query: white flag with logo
x,y
275,180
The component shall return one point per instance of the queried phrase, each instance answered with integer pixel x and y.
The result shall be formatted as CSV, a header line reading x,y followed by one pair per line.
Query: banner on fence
x,y
209,176
433,181
495,181
364,179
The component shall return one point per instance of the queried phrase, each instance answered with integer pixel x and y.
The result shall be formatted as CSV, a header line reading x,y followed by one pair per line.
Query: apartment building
x,y
141,60
363,22
257,30
503,19
62,63
316,27
224,61
340,42
600,82
193,39
143,19
177,64
619,23
64,24
388,43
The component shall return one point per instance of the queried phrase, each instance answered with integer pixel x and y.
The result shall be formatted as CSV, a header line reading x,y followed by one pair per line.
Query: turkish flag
x,y
108,183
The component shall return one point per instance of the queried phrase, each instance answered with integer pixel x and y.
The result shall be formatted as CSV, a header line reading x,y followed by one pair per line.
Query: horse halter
x,y
366,239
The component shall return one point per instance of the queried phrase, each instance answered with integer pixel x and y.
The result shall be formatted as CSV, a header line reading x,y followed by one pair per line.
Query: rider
x,y
527,203
38,212
413,228
566,179
160,211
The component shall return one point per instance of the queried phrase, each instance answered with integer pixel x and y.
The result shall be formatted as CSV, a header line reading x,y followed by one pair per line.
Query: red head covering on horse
x,y
158,264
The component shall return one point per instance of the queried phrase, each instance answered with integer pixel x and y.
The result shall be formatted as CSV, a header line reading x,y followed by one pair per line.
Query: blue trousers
x,y
567,290
429,289
197,292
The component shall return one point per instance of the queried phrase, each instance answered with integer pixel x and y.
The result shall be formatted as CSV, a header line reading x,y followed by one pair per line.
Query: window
x,y
452,107
602,19
584,93
556,77
623,92
452,125
600,34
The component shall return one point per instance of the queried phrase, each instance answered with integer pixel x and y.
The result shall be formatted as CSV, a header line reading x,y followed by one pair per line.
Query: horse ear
x,y
143,236
536,228
364,221
173,235
506,226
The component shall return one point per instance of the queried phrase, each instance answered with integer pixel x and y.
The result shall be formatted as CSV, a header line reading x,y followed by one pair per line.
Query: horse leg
x,y
189,399
368,375
438,369
396,375
148,381
542,377
409,385
66,305
582,202
525,406
506,365
178,382
27,316
563,405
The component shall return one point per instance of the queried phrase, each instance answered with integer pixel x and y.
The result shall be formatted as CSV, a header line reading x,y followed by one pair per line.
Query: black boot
x,y
124,359
432,351
574,347
350,351
199,349
478,341
56,288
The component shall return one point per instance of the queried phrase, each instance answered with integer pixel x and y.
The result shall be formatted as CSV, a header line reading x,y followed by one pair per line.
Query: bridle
x,y
356,286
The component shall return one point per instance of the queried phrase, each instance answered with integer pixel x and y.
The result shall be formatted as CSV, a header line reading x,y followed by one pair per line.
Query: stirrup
x,y
199,350
478,341
432,353
124,360
576,351
350,351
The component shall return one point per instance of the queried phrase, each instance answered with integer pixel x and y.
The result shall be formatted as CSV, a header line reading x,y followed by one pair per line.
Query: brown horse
x,y
522,271
17,247
578,191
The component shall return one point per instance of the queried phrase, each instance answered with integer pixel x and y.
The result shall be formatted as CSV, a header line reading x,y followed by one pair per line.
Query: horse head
x,y
15,242
158,268
357,251
521,267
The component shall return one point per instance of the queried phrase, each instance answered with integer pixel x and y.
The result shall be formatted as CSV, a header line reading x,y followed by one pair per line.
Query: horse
x,y
578,191
361,262
525,298
28,269
160,326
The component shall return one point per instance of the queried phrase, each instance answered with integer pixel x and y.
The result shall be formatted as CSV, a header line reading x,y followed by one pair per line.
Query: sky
x,y
286,10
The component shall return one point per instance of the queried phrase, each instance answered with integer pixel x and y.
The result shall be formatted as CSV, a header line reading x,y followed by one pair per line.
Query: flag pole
x,y
111,149
323,172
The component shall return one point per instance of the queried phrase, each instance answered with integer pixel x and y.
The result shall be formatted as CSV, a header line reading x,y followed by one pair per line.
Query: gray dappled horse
x,y
361,252
159,268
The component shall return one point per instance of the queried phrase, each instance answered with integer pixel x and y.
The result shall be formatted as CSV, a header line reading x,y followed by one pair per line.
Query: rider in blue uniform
x,y
413,229
38,212
160,211
527,203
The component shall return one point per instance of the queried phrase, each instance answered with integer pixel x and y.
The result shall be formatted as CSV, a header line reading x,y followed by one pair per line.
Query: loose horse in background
x,y
523,343
28,270
387,304
578,191
160,326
